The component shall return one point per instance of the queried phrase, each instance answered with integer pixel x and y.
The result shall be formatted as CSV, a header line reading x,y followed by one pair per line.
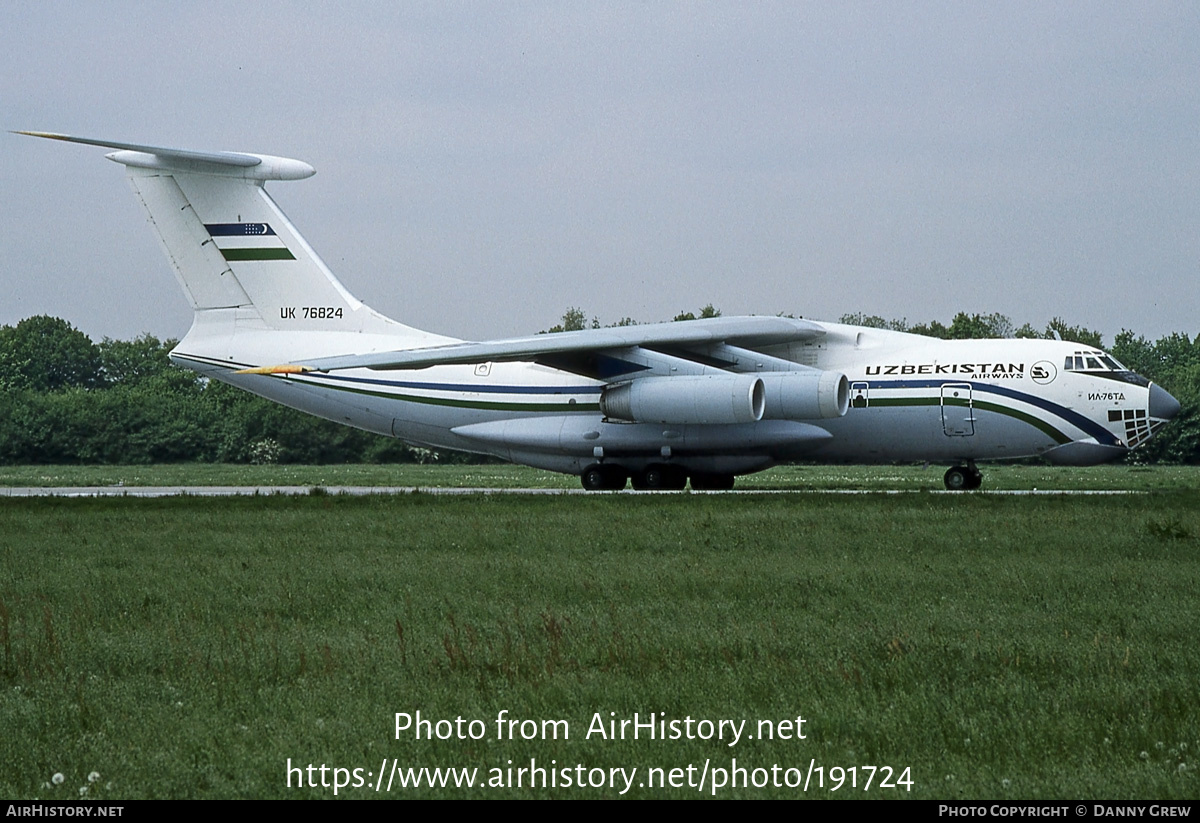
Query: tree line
x,y
67,399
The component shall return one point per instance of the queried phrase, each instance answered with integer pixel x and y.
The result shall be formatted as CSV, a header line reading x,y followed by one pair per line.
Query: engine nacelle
x,y
707,398
805,395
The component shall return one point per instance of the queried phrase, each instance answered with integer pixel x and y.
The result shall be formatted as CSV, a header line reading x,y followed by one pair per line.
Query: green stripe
x,y
233,255
1050,431
429,401
464,404
982,405
902,401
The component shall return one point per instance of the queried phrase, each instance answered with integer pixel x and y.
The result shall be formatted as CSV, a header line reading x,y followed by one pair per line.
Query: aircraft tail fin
x,y
235,254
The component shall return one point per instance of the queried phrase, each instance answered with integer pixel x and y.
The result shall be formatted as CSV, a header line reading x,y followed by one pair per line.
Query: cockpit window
x,y
1100,364
1092,361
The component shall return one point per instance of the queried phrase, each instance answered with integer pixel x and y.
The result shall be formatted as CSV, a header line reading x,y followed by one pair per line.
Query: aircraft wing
x,y
749,332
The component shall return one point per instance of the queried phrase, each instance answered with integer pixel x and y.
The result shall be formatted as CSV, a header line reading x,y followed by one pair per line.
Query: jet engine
x,y
805,395
708,398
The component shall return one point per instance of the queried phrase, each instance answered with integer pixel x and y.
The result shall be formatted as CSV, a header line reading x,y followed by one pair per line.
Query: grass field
x,y
880,478
995,647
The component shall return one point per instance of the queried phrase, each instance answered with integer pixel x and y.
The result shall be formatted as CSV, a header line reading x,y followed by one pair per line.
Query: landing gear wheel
x,y
660,478
593,478
963,478
712,482
603,478
957,478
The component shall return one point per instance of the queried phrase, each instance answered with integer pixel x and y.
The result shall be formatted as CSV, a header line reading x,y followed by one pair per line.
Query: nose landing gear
x,y
963,478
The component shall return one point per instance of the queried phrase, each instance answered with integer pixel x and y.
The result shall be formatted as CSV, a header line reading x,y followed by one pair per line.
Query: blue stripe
x,y
1102,435
464,387
239,229
1076,419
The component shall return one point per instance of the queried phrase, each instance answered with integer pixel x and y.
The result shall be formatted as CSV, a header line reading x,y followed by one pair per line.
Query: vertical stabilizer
x,y
240,261
232,247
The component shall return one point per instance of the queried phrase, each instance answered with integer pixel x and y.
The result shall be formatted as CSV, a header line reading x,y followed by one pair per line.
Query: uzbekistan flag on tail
x,y
248,241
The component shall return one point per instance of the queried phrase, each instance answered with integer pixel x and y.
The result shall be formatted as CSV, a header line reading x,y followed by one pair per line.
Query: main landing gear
x,y
963,478
603,478
655,477
660,477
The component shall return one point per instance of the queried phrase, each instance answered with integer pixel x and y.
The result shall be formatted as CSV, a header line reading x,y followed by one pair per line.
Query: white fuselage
x,y
911,398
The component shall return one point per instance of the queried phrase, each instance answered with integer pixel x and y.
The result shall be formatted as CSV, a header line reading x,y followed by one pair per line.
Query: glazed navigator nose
x,y
1162,405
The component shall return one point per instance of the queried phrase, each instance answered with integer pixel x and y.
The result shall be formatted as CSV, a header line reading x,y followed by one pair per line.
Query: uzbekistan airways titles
x,y
980,371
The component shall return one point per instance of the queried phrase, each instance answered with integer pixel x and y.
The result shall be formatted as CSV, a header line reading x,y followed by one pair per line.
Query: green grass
x,y
879,478
233,474
997,647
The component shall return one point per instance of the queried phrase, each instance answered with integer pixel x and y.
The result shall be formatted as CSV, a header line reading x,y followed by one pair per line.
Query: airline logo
x,y
248,241
1043,372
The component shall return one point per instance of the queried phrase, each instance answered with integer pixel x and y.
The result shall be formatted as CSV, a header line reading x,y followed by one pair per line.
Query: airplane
x,y
659,404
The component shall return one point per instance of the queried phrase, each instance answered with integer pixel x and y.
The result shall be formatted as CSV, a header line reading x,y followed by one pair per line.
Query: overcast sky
x,y
483,166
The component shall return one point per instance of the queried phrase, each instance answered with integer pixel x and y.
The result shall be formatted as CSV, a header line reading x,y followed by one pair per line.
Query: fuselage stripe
x,y
1102,435
983,405
321,381
467,387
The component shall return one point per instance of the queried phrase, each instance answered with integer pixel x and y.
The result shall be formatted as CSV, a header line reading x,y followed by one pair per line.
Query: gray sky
x,y
483,166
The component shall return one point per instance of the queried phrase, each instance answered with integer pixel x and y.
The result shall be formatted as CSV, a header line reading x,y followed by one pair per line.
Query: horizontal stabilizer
x,y
238,164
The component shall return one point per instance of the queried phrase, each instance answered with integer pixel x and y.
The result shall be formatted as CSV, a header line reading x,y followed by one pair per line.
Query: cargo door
x,y
958,410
